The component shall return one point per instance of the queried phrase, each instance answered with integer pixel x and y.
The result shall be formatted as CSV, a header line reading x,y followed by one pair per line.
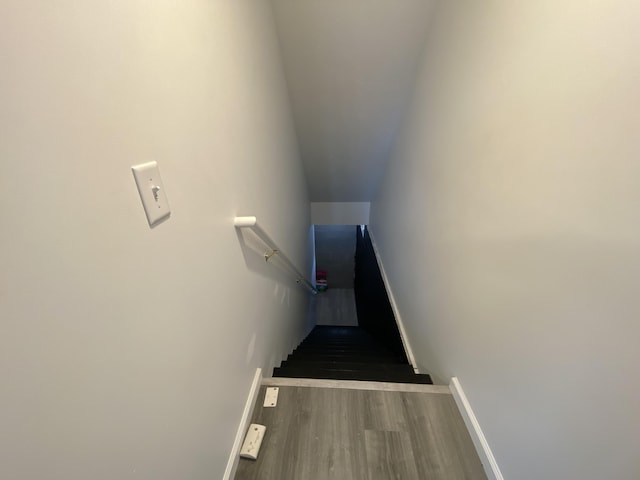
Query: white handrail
x,y
252,223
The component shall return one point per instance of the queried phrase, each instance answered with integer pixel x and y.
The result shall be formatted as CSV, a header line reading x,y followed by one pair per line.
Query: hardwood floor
x,y
389,455
317,433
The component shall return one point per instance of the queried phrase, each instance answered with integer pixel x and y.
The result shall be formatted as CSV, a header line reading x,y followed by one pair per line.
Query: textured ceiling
x,y
350,67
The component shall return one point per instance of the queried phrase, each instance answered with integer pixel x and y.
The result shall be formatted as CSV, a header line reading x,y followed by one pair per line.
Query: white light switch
x,y
152,194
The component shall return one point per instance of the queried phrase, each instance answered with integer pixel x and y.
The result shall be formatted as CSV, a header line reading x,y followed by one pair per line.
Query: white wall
x,y
508,224
340,213
128,352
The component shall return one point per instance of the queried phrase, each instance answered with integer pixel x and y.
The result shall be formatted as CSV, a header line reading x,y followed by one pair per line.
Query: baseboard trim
x,y
394,307
234,457
479,440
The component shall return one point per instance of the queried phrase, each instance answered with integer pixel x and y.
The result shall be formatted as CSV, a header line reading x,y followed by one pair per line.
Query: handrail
x,y
252,223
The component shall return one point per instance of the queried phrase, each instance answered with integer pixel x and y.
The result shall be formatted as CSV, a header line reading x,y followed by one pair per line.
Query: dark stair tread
x,y
343,332
352,375
337,330
349,357
353,366
332,335
370,352
339,339
356,345
342,341
342,348
363,340
340,332
363,344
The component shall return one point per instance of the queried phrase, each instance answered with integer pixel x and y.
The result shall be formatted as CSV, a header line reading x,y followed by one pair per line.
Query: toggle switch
x,y
152,194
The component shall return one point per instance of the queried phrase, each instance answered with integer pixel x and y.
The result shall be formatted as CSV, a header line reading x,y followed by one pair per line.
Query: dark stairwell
x,y
372,351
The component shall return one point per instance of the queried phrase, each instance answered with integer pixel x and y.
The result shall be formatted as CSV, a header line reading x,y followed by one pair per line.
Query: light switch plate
x,y
152,193
271,397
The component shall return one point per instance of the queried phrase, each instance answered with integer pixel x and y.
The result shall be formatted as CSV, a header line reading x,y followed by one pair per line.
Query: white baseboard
x,y
394,307
234,457
479,440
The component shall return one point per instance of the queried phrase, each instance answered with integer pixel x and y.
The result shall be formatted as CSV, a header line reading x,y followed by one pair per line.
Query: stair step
x,y
323,339
347,353
352,346
343,346
342,349
351,366
342,341
385,356
347,356
342,338
294,372
336,330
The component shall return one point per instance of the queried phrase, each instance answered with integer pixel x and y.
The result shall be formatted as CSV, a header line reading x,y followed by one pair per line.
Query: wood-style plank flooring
x,y
347,434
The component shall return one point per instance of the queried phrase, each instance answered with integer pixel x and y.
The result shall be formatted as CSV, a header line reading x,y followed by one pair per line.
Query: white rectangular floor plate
x,y
271,397
252,441
152,194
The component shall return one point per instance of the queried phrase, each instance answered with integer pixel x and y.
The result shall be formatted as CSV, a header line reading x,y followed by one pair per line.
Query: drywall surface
x,y
340,213
508,226
128,352
349,67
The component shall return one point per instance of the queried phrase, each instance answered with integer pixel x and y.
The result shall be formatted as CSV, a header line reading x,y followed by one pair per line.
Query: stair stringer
x,y
394,306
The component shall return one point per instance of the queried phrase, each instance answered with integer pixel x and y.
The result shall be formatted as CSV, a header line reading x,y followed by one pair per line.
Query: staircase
x,y
347,353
